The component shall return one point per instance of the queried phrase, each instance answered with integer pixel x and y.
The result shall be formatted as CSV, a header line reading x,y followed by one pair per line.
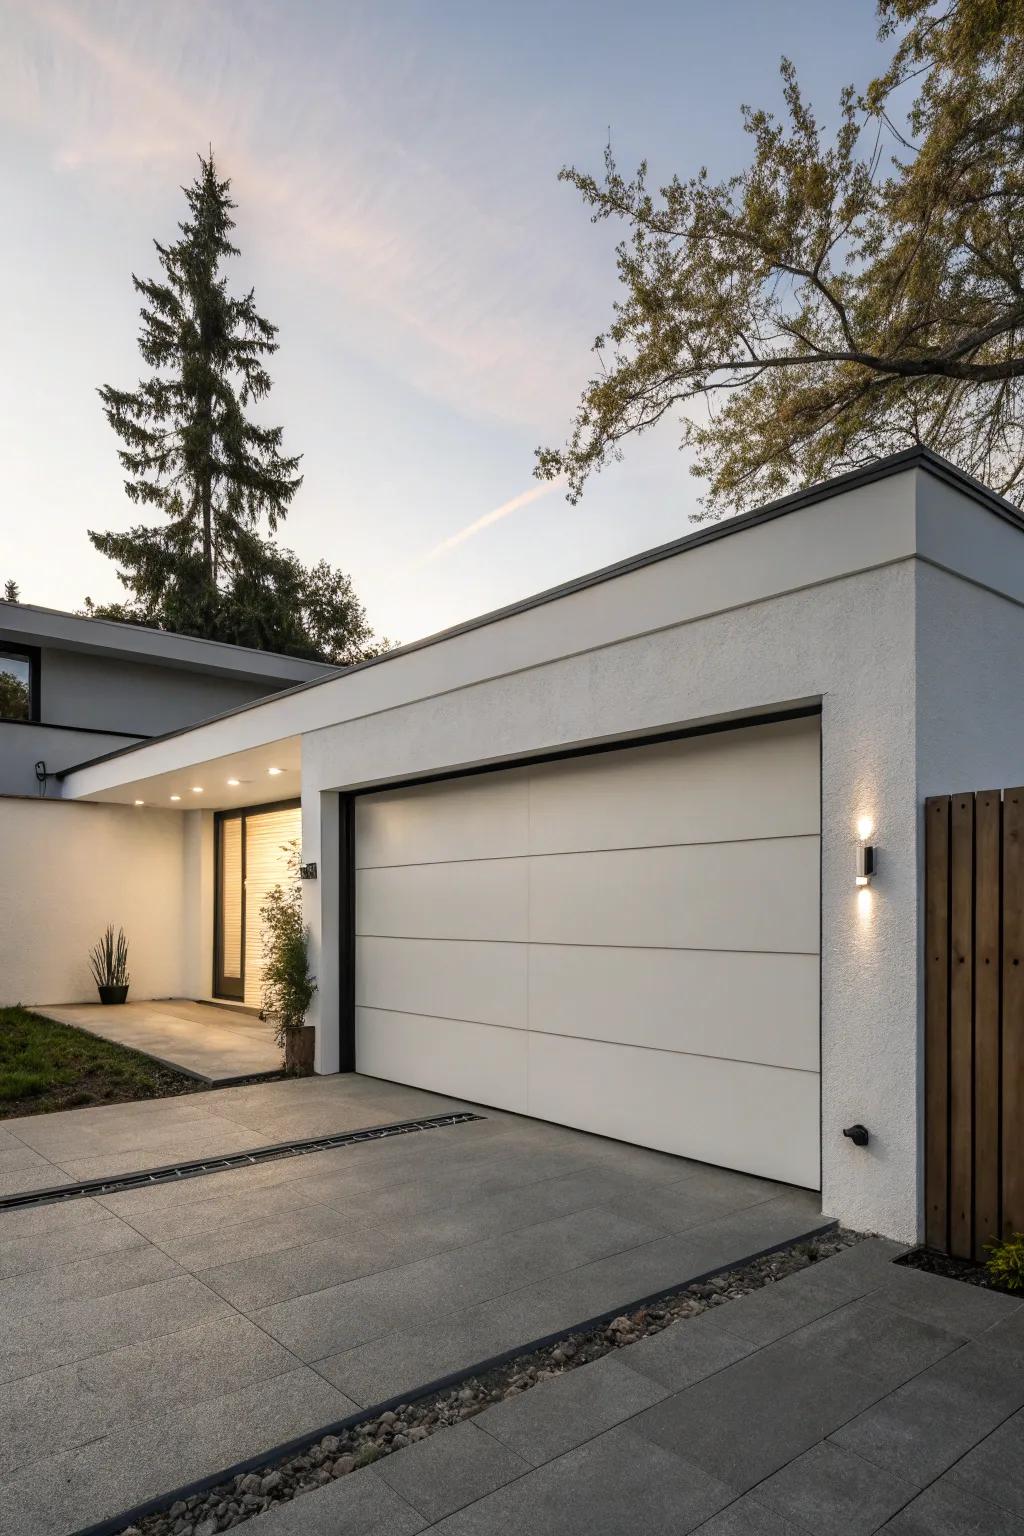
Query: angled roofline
x,y
868,474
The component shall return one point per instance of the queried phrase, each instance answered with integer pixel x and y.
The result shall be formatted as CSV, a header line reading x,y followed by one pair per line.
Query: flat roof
x,y
32,624
881,469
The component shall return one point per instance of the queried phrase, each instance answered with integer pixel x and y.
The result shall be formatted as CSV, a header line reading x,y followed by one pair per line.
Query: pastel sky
x,y
437,290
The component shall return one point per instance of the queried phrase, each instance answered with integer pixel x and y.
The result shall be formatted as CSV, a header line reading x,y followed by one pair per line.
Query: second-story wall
x,y
112,694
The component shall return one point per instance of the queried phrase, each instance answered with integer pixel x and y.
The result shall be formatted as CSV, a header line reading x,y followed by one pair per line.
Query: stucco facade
x,y
99,684
893,601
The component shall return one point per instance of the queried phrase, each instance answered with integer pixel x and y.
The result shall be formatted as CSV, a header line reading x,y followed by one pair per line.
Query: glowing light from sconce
x,y
175,797
274,772
234,783
865,827
140,802
864,902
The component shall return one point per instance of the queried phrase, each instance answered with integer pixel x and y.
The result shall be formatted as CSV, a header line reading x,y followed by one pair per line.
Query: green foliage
x,y
288,987
844,296
47,1066
14,697
1005,1263
191,449
109,959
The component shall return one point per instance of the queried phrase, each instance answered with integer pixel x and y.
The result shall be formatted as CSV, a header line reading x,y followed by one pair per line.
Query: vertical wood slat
x,y
1013,1011
961,1026
937,1021
987,973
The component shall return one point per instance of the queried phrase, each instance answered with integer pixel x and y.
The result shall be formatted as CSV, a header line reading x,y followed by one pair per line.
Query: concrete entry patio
x,y
208,1040
150,1338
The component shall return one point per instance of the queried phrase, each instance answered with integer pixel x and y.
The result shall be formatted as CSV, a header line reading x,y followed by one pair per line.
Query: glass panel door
x,y
253,850
229,949
269,838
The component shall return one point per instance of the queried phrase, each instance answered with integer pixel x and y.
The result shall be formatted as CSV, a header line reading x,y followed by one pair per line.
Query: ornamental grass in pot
x,y
288,987
109,961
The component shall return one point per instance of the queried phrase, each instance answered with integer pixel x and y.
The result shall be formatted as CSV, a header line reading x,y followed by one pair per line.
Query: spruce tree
x,y
190,447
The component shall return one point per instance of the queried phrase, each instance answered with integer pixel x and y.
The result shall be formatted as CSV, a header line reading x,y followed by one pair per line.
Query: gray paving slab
x,y
61,1408
242,1242
746,1422
568,1410
81,1279
319,1322
450,1470
74,1330
921,1429
54,1243
34,1221
994,1470
966,1310
833,1493
946,1510
890,1347
361,1504
615,1483
749,1518
785,1305
686,1352
1006,1336
187,1441
395,1362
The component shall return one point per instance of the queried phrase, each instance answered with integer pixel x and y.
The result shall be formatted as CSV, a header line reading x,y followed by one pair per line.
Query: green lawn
x,y
46,1066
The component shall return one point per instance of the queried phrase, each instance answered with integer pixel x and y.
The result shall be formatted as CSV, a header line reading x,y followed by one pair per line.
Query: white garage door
x,y
625,942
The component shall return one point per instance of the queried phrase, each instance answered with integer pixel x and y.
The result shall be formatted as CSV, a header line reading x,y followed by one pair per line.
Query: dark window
x,y
18,684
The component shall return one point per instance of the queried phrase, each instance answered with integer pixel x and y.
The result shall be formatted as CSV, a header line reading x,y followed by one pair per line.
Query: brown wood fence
x,y
974,1019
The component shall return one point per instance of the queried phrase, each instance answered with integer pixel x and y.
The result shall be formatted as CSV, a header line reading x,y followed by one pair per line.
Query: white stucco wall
x,y
851,646
68,870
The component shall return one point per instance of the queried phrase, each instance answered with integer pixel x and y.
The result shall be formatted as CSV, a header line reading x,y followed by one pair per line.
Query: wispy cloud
x,y
361,172
524,499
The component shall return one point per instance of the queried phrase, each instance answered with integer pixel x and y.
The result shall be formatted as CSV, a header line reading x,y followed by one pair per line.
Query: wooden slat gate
x,y
974,1019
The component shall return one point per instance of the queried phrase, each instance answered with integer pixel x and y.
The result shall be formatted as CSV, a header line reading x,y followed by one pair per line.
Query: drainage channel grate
x,y
174,1172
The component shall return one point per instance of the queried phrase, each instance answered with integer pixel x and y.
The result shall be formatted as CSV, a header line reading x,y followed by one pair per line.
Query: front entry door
x,y
253,848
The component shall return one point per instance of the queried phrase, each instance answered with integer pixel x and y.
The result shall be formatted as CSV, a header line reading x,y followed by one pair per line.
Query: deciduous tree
x,y
847,294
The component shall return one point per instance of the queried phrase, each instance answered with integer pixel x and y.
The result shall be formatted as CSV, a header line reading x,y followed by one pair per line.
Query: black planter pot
x,y
113,995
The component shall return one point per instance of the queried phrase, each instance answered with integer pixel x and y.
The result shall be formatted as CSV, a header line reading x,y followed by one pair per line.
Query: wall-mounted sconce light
x,y
865,853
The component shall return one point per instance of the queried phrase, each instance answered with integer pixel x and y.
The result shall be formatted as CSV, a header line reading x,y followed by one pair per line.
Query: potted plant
x,y
288,987
109,961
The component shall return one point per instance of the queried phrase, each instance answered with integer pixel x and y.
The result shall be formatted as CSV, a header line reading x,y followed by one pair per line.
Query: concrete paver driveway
x,y
850,1398
152,1337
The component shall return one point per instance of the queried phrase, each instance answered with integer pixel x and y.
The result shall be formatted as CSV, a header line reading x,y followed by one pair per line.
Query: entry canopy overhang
x,y
258,776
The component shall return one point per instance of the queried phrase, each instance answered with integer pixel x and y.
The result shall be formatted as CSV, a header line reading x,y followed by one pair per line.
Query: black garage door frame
x,y
347,851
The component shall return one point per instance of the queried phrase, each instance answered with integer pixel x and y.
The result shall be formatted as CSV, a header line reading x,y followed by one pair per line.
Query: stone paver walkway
x,y
849,1398
152,1337
211,1042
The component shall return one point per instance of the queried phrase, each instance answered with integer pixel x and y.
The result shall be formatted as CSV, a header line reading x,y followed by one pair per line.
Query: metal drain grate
x,y
174,1172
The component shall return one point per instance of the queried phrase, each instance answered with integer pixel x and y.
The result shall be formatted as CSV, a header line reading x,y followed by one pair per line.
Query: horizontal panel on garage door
x,y
641,923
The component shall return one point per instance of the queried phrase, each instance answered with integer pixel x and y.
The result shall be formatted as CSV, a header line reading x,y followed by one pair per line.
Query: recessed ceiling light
x,y
140,802
234,783
175,797
275,771
197,789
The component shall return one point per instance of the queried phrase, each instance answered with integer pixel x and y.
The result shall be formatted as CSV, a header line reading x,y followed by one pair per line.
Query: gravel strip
x,y
250,1493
